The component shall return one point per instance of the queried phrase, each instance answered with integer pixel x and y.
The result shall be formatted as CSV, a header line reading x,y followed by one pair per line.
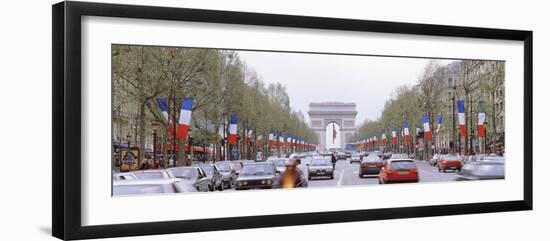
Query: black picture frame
x,y
66,75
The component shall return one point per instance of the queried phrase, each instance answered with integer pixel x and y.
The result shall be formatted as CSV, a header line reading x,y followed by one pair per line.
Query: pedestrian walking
x,y
333,159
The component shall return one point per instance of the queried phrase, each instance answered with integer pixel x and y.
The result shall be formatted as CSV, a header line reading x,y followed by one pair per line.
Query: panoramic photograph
x,y
188,120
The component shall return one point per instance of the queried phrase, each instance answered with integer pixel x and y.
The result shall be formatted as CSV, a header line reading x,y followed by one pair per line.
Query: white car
x,y
124,176
355,157
151,186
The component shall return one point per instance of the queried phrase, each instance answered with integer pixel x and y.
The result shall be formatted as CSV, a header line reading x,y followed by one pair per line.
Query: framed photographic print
x,y
170,120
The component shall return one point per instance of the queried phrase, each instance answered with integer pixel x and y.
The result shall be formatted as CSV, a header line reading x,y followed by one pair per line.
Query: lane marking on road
x,y
340,179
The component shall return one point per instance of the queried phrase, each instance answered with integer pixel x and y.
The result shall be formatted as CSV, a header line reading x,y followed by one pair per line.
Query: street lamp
x,y
452,91
155,126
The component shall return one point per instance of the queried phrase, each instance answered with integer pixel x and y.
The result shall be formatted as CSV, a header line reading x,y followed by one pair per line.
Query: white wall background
x,y
25,102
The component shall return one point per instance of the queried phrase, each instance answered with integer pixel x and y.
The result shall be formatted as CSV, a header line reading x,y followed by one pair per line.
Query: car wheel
x,y
332,176
221,187
210,188
309,178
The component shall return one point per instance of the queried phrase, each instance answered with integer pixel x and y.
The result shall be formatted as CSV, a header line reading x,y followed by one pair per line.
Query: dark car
x,y
229,174
320,168
370,165
490,167
256,175
215,176
200,180
398,171
386,155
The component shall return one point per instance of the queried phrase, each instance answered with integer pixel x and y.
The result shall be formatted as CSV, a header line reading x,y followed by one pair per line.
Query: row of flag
x,y
405,131
182,128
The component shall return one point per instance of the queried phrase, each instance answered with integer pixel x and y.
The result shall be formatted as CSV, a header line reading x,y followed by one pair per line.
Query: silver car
x,y
151,186
229,174
490,167
214,175
355,157
194,174
320,168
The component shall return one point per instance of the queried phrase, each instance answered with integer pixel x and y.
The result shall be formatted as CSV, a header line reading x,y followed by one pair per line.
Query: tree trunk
x,y
141,132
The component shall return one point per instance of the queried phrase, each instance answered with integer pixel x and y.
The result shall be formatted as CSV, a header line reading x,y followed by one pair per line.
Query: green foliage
x,y
218,79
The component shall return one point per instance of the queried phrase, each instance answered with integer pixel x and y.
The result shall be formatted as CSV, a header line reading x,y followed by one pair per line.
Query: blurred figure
x,y
293,176
333,159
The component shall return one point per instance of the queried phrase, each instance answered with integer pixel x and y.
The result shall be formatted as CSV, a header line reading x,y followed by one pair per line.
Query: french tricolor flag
x,y
427,131
481,119
259,140
185,118
461,117
406,131
439,123
271,137
163,106
233,129
289,140
281,140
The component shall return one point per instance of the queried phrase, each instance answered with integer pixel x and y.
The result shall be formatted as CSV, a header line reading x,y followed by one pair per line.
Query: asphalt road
x,y
347,174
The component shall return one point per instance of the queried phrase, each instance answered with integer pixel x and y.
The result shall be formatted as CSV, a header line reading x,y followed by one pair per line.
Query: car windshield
x,y
320,162
374,158
148,175
249,170
394,156
451,157
402,165
224,167
187,173
208,170
142,189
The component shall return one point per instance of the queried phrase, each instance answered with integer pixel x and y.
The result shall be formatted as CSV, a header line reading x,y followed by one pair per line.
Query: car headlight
x,y
263,181
268,181
244,183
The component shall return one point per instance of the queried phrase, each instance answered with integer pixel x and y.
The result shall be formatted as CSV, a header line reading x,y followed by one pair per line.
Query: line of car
x,y
248,174
240,174
471,167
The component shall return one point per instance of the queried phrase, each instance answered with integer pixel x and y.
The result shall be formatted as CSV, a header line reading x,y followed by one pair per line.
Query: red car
x,y
398,171
450,162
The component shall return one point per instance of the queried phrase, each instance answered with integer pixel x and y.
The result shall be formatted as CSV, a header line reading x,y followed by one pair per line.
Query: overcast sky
x,y
367,81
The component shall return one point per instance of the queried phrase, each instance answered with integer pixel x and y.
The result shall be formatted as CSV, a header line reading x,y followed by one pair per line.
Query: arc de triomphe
x,y
324,113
